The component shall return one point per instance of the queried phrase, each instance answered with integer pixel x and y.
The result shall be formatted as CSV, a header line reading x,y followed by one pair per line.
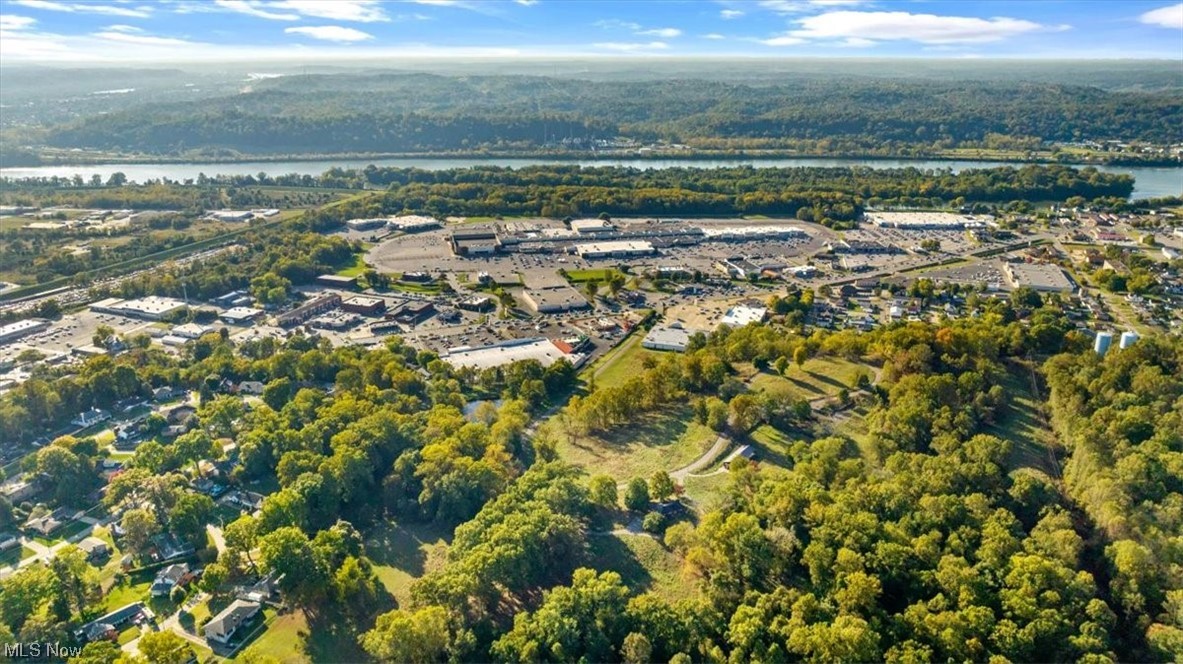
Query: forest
x,y
832,196
419,112
923,545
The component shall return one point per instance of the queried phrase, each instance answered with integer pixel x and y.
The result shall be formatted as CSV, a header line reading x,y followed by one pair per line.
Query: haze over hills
x,y
873,107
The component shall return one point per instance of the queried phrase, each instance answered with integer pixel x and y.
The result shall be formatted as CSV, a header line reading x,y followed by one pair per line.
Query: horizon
x,y
352,31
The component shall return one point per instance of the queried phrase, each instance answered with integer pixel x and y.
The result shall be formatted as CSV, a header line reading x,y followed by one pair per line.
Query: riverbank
x,y
72,158
1149,181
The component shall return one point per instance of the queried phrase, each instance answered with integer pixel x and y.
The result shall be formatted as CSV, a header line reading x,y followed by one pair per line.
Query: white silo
x,y
1128,339
1102,343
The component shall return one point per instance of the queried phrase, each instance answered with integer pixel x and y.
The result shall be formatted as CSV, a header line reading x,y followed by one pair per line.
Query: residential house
x,y
106,627
96,550
222,627
44,525
90,418
170,577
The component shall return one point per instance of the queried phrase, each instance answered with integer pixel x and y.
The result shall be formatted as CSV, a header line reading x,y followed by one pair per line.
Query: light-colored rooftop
x,y
538,348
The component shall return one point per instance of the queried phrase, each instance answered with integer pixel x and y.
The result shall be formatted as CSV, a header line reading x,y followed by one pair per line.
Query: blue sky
x,y
271,30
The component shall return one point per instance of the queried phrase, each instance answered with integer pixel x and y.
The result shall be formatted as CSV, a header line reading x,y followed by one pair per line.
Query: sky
x,y
327,30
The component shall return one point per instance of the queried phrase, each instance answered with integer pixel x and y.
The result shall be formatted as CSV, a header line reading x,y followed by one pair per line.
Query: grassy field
x,y
643,563
600,275
664,440
359,266
818,377
402,554
290,638
623,362
707,491
1023,425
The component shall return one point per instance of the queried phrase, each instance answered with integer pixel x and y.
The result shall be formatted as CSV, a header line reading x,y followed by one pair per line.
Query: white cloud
x,y
334,33
142,40
857,42
728,14
85,8
123,28
617,24
632,47
903,26
526,3
254,9
10,22
1165,17
783,40
361,11
713,35
665,33
802,6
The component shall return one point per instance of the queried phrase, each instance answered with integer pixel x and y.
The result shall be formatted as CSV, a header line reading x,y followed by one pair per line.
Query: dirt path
x,y
708,457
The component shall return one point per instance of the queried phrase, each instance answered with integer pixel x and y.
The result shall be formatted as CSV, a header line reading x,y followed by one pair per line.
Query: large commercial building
x,y
314,307
917,221
1043,277
364,304
21,328
667,337
149,308
592,226
554,300
741,315
620,249
473,242
366,224
545,351
337,281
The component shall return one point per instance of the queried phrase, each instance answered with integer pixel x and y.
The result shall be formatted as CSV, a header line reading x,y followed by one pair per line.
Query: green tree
x,y
661,485
418,637
582,621
165,647
636,494
602,491
139,526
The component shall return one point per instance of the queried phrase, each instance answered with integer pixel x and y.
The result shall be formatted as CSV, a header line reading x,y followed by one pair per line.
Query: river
x,y
1149,181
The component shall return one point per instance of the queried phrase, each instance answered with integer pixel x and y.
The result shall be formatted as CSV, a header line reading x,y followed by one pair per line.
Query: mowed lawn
x,y
665,440
818,377
601,275
642,562
404,553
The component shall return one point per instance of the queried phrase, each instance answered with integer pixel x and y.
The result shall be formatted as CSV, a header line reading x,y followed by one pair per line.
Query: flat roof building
x,y
313,307
478,303
414,312
412,223
1043,277
545,351
741,315
667,337
337,281
619,249
927,220
241,315
364,304
591,226
554,300
366,224
21,328
149,308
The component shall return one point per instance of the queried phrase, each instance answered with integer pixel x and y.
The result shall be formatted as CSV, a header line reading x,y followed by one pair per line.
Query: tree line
x,y
421,112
